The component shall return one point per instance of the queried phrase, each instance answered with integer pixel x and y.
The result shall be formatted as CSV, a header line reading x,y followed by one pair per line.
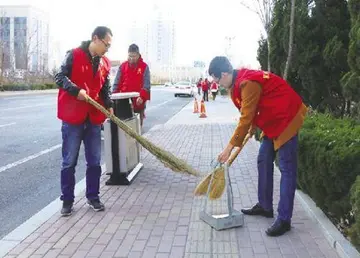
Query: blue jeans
x,y
288,169
72,136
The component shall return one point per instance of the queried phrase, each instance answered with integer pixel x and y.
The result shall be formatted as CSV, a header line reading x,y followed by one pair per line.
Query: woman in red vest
x,y
134,76
84,72
214,89
267,102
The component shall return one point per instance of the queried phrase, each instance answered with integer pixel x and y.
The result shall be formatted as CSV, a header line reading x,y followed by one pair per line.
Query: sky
x,y
201,26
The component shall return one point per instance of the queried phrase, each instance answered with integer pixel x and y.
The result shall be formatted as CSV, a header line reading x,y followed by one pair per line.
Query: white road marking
x,y
158,105
17,108
7,124
31,157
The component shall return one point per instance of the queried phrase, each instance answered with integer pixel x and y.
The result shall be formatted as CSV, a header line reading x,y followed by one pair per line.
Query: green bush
x,y
21,87
328,165
15,87
354,231
329,151
223,91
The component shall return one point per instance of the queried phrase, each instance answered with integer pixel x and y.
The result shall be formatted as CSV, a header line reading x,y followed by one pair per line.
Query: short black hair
x,y
133,48
220,64
101,32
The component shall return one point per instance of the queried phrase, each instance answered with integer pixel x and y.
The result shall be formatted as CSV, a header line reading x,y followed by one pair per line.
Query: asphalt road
x,y
30,151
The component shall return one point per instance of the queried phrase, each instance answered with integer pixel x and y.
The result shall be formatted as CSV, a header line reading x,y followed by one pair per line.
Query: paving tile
x,y
158,216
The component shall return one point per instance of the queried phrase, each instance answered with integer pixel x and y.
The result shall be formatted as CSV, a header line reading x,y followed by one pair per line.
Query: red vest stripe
x,y
278,103
74,111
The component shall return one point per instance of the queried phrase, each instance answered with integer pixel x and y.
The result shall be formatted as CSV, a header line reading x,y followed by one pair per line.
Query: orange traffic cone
x,y
196,106
202,110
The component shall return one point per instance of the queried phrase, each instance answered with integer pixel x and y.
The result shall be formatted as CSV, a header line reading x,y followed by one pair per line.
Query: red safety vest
x,y
132,80
74,111
278,103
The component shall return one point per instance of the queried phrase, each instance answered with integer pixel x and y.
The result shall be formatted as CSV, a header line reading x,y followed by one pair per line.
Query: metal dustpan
x,y
232,218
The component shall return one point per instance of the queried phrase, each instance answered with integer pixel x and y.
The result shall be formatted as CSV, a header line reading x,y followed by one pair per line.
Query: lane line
x,y
31,157
7,124
158,105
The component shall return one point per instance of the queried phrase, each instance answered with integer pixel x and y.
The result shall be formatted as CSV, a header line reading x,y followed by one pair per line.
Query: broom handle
x,y
237,151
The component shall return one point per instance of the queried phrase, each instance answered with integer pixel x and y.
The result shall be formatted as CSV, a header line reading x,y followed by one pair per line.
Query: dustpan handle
x,y
228,190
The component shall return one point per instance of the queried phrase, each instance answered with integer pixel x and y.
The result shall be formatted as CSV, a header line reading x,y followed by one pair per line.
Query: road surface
x,y
30,151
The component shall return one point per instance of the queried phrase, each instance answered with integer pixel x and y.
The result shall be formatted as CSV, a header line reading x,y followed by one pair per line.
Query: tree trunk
x,y
291,39
268,54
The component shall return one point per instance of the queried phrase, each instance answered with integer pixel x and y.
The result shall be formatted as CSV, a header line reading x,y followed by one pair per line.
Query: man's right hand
x,y
82,95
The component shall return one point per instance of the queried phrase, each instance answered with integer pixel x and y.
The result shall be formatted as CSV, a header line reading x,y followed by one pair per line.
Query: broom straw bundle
x,y
167,158
214,182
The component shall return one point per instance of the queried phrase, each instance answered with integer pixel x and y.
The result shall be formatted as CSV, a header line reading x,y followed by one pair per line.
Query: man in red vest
x,y
205,88
134,76
84,72
267,102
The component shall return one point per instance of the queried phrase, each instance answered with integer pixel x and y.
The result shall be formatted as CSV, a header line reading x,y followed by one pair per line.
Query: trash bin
x,y
122,153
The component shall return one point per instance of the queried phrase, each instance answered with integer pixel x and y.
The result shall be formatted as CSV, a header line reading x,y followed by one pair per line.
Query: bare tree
x,y
28,45
2,46
291,39
264,9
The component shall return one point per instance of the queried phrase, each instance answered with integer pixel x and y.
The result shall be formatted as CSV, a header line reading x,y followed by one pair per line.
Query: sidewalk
x,y
158,216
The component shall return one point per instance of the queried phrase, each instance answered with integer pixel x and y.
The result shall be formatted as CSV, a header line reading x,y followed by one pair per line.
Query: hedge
x,y
354,231
328,165
21,87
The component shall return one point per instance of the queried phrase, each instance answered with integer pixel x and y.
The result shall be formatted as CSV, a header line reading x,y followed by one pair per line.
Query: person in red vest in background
x,y
199,86
214,89
84,72
205,88
267,102
134,76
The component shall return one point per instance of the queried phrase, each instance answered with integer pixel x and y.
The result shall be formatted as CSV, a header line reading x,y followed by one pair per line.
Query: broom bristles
x,y
218,182
167,158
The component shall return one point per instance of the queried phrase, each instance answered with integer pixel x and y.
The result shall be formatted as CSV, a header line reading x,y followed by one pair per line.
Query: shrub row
x,y
21,87
329,169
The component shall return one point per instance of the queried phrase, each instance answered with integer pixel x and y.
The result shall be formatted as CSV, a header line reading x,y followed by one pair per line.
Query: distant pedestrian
x,y
205,88
214,89
199,86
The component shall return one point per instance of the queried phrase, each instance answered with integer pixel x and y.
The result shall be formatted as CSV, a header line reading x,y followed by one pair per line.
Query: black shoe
x,y
278,228
67,208
258,210
108,173
96,205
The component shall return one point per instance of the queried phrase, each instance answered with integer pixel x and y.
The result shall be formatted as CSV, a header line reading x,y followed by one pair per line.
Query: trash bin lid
x,y
125,95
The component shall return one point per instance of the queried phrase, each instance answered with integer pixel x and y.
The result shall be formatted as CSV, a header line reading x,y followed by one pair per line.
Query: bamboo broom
x,y
217,177
167,158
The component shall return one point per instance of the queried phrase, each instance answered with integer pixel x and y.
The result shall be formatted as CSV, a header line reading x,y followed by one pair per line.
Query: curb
x,y
336,240
15,237
342,246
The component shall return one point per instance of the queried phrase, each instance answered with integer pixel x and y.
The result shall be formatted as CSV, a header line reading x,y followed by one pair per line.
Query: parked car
x,y
184,88
168,84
